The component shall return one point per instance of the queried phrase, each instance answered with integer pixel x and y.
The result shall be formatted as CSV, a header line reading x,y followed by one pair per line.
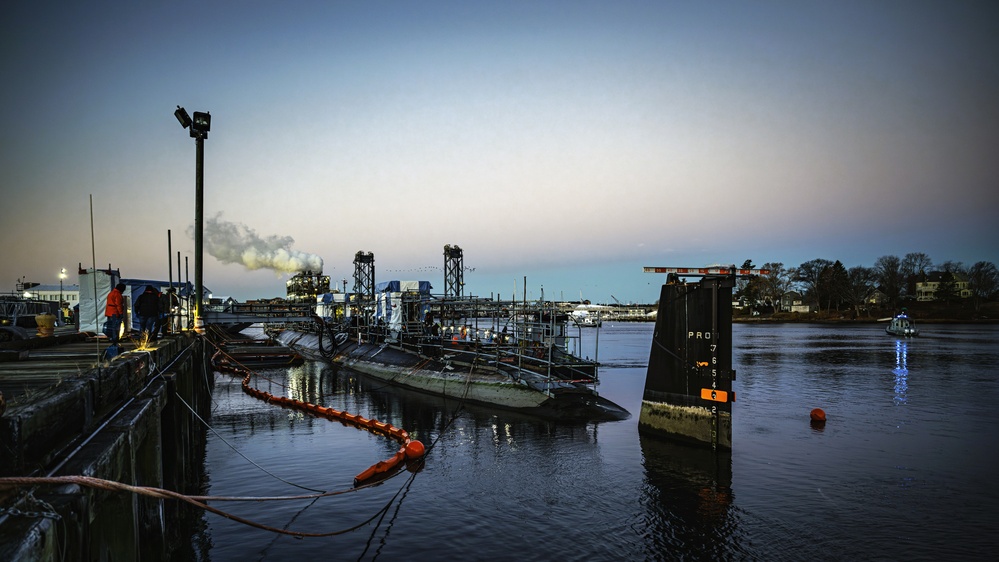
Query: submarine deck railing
x,y
256,313
537,336
521,352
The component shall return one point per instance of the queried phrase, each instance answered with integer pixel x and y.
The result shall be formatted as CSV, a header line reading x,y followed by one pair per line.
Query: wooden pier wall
x,y
127,422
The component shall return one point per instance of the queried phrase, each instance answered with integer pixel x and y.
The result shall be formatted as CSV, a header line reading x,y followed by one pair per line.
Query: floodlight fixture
x,y
183,117
199,127
202,123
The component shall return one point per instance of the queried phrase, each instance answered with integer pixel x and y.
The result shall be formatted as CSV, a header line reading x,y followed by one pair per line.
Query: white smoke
x,y
237,243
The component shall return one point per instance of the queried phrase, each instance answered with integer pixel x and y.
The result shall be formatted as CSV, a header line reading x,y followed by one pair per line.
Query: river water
x,y
904,468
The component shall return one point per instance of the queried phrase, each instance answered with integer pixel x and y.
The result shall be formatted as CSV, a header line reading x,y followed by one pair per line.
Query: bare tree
x,y
746,288
953,267
888,270
775,284
983,281
915,263
810,278
789,280
915,266
860,283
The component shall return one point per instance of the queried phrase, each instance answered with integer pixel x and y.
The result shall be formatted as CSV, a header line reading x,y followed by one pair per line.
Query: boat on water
x,y
507,354
901,325
587,320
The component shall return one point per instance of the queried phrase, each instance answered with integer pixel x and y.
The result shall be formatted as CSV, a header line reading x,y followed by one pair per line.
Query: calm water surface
x,y
905,467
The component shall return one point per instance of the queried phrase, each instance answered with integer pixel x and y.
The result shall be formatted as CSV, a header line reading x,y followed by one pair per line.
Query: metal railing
x,y
12,307
259,313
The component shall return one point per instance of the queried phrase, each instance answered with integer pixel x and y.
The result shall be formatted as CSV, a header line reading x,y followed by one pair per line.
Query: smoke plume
x,y
237,243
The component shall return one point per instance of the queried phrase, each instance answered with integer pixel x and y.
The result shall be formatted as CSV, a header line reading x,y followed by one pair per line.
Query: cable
x,y
405,491
264,470
161,493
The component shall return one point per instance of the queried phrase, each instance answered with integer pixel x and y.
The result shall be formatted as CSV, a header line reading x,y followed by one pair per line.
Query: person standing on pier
x,y
147,308
114,312
168,301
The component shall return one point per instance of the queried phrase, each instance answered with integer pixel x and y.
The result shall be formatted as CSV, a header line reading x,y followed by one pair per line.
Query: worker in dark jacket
x,y
147,308
114,312
168,302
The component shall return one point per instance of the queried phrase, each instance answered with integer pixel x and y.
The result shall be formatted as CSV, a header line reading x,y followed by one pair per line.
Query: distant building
x,y
876,297
70,293
220,304
792,301
305,286
274,300
926,290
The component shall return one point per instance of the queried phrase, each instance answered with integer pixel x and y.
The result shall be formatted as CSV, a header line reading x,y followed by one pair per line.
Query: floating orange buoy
x,y
414,450
818,415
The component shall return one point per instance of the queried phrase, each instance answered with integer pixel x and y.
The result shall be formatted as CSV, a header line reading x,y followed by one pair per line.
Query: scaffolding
x,y
364,275
454,267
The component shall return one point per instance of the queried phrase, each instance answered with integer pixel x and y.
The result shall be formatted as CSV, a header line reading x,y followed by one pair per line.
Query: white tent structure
x,y
94,288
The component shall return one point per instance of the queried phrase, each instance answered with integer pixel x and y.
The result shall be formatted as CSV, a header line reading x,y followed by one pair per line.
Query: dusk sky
x,y
569,142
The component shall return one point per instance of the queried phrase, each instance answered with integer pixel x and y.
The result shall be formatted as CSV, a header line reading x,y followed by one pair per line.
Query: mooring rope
x,y
238,452
395,514
153,492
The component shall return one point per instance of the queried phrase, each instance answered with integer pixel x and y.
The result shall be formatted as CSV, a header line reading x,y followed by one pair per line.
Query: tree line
x,y
830,286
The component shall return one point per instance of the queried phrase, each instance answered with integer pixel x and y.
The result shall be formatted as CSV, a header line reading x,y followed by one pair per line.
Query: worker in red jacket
x,y
115,312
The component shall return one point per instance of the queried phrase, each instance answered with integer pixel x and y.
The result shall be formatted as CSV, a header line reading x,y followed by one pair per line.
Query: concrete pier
x,y
129,420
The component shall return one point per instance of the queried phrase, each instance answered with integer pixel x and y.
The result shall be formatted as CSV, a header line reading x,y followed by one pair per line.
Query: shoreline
x,y
829,321
759,320
861,321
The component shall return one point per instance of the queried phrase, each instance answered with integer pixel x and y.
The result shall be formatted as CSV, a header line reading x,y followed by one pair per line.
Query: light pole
x,y
62,275
199,127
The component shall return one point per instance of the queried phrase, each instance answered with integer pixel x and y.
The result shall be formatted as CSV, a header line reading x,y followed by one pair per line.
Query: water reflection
x,y
500,486
308,383
689,499
901,371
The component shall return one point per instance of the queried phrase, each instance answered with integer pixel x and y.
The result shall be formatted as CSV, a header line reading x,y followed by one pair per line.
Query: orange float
x,y
414,449
410,449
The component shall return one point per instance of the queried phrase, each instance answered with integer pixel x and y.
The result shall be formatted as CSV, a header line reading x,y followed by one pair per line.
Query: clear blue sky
x,y
570,142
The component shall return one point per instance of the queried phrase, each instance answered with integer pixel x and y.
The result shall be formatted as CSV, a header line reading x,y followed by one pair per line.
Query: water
x,y
905,467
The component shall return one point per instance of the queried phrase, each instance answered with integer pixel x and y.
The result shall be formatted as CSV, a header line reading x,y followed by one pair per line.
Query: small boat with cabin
x,y
902,326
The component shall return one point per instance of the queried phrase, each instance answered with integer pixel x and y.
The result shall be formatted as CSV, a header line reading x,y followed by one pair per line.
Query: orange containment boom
x,y
410,449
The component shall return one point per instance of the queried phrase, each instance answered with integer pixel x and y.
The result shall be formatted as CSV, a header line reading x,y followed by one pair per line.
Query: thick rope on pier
x,y
149,491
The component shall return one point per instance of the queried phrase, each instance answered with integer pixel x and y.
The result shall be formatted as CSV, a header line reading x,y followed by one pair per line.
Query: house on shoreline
x,y
926,290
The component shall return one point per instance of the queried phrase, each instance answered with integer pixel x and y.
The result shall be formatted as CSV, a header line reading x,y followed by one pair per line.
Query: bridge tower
x,y
364,275
454,272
